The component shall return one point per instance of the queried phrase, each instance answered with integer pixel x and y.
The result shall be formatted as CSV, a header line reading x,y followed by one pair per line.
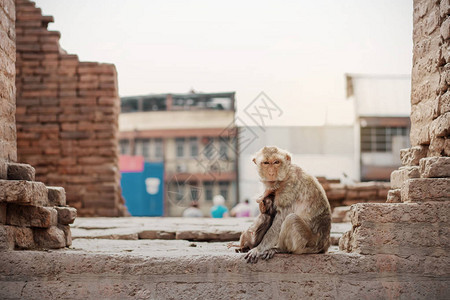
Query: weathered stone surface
x,y
399,176
157,235
3,169
6,238
3,213
49,238
23,237
440,127
426,189
155,269
433,167
66,215
437,146
208,235
23,192
400,229
445,29
56,196
412,156
67,234
31,216
394,196
21,172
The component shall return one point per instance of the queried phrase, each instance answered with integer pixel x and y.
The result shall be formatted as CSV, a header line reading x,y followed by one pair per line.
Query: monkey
x,y
302,223
254,234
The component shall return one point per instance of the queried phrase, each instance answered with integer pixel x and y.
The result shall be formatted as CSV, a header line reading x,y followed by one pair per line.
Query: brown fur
x,y
254,234
303,220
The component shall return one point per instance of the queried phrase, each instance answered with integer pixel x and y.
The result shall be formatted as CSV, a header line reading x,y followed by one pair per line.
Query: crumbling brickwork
x,y
31,215
67,117
415,220
340,194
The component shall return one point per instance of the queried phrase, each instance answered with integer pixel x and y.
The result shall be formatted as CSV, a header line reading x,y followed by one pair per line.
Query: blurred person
x,y
241,210
219,210
193,211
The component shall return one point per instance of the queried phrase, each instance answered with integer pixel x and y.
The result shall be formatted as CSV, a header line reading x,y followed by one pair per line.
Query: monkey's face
x,y
273,163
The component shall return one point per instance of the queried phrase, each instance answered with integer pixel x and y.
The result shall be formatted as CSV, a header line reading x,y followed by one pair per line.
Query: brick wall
x,y
7,88
415,221
32,216
67,117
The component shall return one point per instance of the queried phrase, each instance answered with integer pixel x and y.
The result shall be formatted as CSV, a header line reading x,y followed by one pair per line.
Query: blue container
x,y
144,191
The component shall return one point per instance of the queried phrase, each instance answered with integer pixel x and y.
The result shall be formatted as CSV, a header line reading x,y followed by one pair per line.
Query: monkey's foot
x,y
252,256
268,254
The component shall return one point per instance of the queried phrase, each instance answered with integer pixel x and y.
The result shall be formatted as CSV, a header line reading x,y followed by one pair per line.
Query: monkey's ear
x,y
288,157
254,160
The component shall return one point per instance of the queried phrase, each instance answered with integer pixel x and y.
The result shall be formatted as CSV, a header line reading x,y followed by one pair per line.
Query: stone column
x,y
415,220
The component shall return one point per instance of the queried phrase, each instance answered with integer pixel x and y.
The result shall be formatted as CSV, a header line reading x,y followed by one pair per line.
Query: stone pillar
x,y
67,117
416,218
32,216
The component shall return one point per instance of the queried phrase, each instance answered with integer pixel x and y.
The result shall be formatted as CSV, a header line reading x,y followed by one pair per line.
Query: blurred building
x,y
193,135
359,138
382,124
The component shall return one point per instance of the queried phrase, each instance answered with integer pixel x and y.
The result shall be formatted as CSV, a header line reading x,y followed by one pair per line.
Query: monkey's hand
x,y
252,256
269,253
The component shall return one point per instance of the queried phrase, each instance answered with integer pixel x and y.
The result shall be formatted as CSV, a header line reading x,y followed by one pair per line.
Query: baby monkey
x,y
254,234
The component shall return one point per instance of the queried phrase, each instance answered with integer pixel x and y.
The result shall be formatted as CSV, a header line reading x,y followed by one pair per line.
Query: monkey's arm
x,y
268,242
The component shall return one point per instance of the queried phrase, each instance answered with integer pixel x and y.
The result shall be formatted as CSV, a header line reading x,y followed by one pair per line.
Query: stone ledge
x,y
180,269
432,167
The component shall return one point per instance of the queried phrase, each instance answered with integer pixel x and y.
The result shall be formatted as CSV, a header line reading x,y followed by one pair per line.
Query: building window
x,y
224,187
208,188
209,148
179,147
223,149
142,147
124,147
379,139
158,149
193,144
194,192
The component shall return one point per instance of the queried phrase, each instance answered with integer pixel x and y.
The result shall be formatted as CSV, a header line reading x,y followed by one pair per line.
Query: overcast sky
x,y
295,51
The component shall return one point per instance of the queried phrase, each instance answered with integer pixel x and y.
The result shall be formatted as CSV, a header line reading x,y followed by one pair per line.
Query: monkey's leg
x,y
295,235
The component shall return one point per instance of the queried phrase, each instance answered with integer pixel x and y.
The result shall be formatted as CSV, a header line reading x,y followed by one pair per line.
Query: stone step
x,y
402,229
155,269
426,189
18,171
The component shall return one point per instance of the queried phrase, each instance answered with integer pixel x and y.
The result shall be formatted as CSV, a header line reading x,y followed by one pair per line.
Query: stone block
x,y
434,167
31,216
412,156
49,238
398,177
23,237
440,127
3,213
402,229
56,196
337,191
437,146
426,189
6,238
445,29
157,235
66,215
21,172
339,214
23,192
394,196
3,169
67,234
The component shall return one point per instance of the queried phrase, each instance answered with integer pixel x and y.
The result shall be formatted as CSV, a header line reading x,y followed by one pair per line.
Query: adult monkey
x,y
303,220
